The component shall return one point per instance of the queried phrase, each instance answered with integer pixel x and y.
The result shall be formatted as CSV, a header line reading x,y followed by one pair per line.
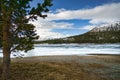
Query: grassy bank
x,y
65,68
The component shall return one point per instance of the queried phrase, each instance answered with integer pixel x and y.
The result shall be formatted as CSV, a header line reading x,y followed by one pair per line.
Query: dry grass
x,y
84,69
49,71
96,65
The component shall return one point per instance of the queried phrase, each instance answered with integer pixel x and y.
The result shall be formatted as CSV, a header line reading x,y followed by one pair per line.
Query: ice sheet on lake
x,y
72,49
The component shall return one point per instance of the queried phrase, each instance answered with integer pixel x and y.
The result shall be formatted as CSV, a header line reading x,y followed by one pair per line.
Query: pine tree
x,y
16,32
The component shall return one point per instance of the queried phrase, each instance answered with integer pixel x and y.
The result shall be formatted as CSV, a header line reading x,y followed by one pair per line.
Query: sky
x,y
75,17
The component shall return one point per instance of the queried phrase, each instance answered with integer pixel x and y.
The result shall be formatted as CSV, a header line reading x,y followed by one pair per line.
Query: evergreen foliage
x,y
21,33
16,33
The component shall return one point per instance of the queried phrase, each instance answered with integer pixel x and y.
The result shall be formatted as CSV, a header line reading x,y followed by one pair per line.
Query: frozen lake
x,y
70,49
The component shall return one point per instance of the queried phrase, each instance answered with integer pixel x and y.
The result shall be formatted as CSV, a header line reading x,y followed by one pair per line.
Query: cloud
x,y
45,28
106,13
44,24
99,14
48,34
88,27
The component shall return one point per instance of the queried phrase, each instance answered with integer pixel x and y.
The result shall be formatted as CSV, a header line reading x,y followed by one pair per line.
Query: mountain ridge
x,y
103,34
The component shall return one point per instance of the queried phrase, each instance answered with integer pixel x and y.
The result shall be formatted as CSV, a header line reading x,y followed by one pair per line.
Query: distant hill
x,y
105,34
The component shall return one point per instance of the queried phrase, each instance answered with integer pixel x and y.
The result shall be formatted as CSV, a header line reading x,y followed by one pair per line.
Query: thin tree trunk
x,y
6,53
6,66
6,42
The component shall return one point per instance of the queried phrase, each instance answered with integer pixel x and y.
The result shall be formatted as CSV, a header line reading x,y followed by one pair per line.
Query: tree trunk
x,y
6,17
6,52
6,66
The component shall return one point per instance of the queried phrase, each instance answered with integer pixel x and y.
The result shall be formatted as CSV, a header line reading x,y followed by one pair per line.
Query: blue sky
x,y
74,17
